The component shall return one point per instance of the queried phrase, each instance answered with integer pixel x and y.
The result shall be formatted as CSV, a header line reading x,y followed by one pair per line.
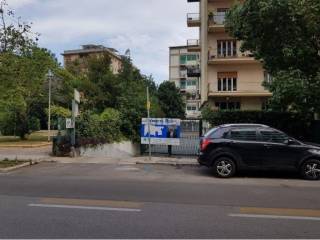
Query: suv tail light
x,y
204,144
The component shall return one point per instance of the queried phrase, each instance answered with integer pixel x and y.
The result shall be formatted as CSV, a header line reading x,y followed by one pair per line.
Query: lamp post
x,y
49,76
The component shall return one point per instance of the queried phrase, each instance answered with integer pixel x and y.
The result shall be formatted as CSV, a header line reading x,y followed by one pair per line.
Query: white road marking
x,y
85,207
275,217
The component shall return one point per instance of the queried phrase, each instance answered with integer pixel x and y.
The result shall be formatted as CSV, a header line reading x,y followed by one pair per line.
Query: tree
x,y
133,99
23,80
15,35
285,37
171,100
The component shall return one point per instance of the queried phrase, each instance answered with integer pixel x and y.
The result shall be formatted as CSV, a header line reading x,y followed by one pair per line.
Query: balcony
x,y
193,45
183,73
243,58
194,71
193,20
239,94
216,22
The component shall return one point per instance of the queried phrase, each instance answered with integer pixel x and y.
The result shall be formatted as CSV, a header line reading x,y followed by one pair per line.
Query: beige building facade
x,y
181,72
81,55
230,79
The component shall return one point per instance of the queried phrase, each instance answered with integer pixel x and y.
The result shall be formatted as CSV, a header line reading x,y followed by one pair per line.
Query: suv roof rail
x,y
245,125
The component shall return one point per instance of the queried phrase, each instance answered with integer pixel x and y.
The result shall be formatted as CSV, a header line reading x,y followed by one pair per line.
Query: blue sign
x,y
163,131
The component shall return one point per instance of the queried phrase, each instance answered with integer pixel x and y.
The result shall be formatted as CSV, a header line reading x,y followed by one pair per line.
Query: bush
x,y
94,130
295,124
34,124
111,123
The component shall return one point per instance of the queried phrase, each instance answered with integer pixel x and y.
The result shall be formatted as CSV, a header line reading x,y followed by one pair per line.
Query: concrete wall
x,y
115,150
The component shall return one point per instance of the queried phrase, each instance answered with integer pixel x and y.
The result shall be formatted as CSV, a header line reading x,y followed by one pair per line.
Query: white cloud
x,y
147,27
20,3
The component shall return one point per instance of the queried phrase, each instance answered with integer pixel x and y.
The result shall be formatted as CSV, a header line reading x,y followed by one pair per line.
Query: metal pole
x,y
49,109
73,133
148,107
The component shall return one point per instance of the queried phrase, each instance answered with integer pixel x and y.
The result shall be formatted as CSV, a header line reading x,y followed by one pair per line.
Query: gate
x,y
191,131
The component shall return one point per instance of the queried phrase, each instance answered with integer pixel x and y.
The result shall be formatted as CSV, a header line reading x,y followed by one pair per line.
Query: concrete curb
x,y
171,162
26,146
10,169
168,164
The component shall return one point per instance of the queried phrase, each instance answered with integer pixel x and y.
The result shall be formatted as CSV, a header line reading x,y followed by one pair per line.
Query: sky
x,y
146,27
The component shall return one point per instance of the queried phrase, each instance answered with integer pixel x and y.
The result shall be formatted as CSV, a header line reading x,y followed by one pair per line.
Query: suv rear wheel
x,y
310,170
224,167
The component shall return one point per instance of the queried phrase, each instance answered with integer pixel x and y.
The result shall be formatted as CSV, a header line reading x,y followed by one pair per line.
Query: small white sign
x,y
69,123
76,96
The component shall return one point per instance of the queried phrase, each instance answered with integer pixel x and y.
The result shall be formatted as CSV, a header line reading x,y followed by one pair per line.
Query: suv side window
x,y
243,134
219,133
273,136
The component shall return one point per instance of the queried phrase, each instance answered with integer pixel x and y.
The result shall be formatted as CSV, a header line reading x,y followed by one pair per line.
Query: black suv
x,y
233,147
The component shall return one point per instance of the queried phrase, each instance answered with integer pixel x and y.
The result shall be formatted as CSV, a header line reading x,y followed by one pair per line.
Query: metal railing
x,y
193,42
217,18
194,71
193,17
215,54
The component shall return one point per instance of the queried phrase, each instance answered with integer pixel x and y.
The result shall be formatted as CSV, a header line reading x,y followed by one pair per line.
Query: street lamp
x,y
49,76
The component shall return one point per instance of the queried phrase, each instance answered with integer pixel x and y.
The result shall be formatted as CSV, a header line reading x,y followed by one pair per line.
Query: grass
x,y
6,163
33,139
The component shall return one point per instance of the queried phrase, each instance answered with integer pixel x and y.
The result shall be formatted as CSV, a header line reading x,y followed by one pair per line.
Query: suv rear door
x,y
244,142
276,152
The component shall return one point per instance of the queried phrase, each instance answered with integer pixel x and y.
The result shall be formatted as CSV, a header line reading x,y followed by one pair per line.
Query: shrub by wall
x,y
294,124
93,129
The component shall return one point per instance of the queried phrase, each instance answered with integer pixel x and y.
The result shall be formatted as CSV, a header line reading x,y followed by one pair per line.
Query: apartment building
x,y
81,55
230,79
184,72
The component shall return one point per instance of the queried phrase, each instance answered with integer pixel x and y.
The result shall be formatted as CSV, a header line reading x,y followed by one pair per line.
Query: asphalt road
x,y
111,201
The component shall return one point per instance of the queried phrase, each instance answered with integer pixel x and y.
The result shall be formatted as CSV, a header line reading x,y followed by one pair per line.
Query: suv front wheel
x,y
224,167
310,170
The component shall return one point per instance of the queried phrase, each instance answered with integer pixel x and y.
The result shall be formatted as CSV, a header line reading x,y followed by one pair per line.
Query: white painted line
x,y
275,217
85,208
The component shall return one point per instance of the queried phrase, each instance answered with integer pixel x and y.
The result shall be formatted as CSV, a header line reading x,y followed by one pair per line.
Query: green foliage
x,y
33,124
111,124
16,35
58,112
93,129
284,35
295,124
171,101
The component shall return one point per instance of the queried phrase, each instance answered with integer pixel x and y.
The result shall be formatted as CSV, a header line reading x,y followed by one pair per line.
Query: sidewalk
x,y
174,161
42,154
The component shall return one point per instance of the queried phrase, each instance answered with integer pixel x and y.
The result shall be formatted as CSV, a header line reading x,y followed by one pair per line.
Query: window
x,y
267,77
192,83
192,108
243,135
183,84
183,59
228,105
227,48
219,17
227,82
192,57
218,133
273,136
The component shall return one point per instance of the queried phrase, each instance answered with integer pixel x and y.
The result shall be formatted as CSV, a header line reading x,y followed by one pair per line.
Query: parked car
x,y
233,147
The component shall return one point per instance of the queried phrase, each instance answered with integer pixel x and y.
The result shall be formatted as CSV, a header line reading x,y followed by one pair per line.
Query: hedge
x,y
294,124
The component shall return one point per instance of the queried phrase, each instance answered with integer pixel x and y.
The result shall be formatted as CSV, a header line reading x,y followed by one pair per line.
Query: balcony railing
x,y
215,54
193,42
183,73
194,71
192,17
217,18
